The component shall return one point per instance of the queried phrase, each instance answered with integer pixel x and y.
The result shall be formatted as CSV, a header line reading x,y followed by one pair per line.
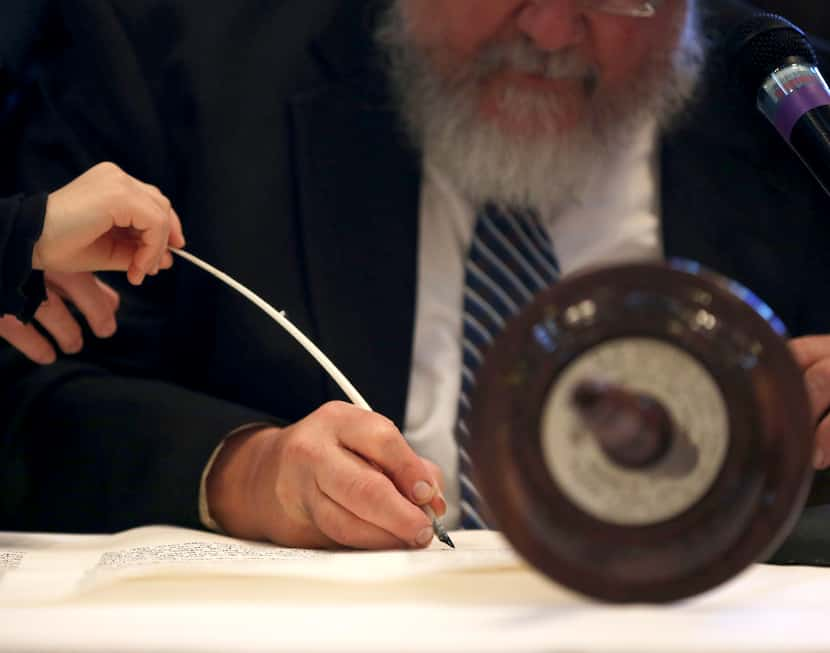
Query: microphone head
x,y
763,44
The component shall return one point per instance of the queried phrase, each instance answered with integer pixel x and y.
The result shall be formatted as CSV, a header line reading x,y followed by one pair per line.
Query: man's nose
x,y
553,25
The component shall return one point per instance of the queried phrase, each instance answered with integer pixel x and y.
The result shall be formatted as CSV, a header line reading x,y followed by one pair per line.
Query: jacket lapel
x,y
358,190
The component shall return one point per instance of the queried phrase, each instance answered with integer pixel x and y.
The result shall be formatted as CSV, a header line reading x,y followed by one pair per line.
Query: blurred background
x,y
812,15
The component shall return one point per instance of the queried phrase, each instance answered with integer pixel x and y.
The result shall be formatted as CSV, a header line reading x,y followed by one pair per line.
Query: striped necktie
x,y
510,260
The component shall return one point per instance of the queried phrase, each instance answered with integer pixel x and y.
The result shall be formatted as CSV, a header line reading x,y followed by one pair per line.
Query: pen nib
x,y
443,537
438,527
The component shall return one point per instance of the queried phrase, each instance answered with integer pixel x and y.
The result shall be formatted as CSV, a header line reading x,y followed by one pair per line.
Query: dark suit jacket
x,y
269,126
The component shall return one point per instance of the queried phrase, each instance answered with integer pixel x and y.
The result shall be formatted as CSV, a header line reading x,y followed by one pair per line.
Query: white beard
x,y
548,170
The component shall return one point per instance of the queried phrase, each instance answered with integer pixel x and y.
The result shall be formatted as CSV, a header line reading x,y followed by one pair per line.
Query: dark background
x,y
812,15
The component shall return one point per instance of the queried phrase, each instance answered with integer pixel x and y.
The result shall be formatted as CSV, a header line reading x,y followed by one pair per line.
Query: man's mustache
x,y
523,57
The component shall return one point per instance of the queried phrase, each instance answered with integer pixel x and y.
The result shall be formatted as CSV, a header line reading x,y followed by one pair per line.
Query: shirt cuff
x,y
204,509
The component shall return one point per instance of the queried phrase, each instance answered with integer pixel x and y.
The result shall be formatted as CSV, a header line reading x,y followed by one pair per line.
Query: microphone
x,y
774,61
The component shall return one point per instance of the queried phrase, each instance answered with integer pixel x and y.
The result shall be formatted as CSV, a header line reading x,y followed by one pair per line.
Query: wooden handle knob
x,y
633,429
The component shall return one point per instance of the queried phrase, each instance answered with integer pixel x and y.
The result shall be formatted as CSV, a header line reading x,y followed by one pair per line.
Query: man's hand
x,y
813,355
107,220
340,477
93,298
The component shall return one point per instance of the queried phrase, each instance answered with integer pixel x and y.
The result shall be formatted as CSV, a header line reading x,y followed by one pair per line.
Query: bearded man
x,y
337,158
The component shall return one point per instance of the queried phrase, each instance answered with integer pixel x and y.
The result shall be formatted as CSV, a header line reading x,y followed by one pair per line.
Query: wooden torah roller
x,y
641,433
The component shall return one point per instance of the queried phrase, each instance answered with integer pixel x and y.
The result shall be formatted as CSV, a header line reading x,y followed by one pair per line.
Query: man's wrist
x,y
205,516
230,482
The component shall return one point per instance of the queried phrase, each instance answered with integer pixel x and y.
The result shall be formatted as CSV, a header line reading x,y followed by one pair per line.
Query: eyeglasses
x,y
632,8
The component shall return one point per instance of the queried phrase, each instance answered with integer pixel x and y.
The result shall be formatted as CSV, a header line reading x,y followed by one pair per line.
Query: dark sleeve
x,y
109,439
98,452
21,222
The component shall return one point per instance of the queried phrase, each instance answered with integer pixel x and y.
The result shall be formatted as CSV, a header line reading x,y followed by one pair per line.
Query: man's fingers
x,y
27,340
152,215
176,235
347,529
147,213
95,299
438,503
58,321
176,232
166,261
817,380
155,232
822,450
376,439
813,355
372,497
108,294
809,350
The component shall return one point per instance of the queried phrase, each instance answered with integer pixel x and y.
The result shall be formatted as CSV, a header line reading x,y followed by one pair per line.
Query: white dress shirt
x,y
618,221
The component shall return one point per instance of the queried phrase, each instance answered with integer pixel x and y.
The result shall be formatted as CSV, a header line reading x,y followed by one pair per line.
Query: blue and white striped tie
x,y
510,260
